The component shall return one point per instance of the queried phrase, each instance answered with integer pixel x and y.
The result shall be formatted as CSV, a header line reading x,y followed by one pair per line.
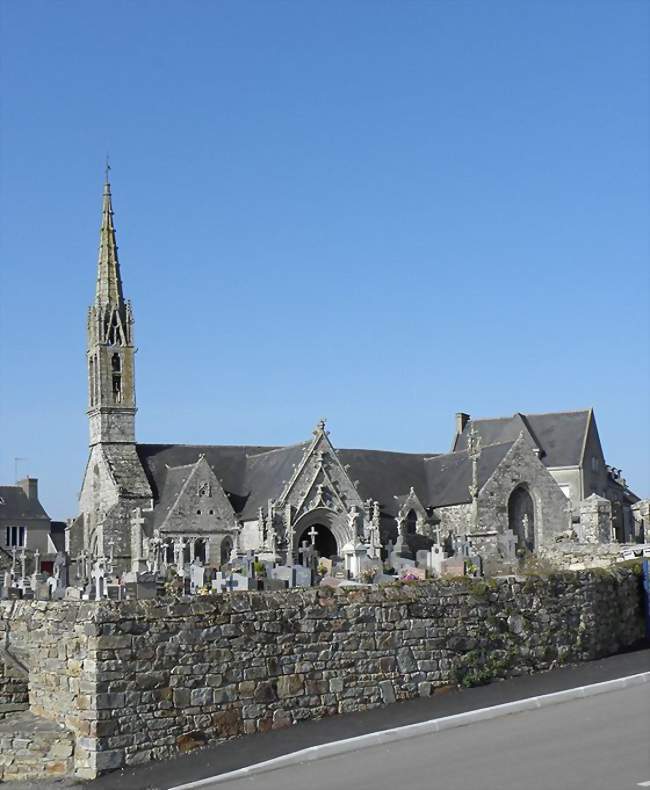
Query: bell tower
x,y
110,350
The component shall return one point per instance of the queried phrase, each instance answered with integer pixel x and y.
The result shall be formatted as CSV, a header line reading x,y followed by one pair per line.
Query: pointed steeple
x,y
109,282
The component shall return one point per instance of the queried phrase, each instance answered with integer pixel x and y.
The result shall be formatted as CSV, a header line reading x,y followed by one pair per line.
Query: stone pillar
x,y
641,516
596,519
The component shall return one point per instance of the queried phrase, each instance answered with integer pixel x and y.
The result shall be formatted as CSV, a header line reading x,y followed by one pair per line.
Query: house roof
x,y
449,476
14,503
559,435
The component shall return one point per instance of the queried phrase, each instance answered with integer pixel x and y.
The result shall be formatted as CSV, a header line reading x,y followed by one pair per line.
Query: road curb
x,y
420,728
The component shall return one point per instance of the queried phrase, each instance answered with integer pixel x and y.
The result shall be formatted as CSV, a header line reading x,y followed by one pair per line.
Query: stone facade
x,y
522,468
144,680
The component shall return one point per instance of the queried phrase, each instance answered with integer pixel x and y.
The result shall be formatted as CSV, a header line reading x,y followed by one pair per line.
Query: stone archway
x,y
325,542
521,517
331,531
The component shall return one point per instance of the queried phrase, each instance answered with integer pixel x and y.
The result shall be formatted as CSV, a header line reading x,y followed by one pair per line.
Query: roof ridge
x,y
464,452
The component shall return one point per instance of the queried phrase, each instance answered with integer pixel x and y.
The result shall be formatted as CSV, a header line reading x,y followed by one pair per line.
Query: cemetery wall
x,y
141,680
578,556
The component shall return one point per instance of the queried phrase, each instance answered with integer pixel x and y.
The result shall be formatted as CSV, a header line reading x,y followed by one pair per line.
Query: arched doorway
x,y
324,540
521,517
411,522
225,550
199,550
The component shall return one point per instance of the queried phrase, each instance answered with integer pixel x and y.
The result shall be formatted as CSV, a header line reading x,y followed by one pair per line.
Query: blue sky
x,y
378,212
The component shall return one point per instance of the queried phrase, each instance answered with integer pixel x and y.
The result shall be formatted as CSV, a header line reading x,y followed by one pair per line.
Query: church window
x,y
212,512
15,536
198,512
594,463
116,363
204,489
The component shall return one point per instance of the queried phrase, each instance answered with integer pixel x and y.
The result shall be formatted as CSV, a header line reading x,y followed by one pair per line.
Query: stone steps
x,y
34,748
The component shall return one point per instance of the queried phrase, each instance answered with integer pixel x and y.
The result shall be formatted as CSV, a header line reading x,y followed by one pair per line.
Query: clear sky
x,y
378,212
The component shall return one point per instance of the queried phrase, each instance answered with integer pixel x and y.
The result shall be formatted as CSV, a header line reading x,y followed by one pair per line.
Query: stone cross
x,y
313,532
137,522
524,524
13,560
474,453
23,563
37,561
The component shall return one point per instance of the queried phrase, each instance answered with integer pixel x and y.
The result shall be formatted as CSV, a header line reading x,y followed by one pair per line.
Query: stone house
x,y
23,522
214,501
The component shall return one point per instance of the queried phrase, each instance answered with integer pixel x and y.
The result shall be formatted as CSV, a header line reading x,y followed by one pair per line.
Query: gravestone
x,y
302,576
196,576
507,545
453,566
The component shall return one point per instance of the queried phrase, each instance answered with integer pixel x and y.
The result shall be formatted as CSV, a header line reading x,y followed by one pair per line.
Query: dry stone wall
x,y
144,680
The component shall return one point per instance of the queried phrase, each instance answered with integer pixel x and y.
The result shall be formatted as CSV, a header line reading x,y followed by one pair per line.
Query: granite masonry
x,y
140,680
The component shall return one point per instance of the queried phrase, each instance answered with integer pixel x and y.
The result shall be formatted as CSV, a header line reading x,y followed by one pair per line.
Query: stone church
x,y
527,473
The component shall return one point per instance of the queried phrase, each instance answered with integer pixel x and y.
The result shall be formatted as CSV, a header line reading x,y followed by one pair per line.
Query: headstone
x,y
453,566
114,592
302,576
196,576
507,544
326,565
436,557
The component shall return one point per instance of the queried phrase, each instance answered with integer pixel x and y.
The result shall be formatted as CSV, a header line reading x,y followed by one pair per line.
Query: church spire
x,y
109,282
110,350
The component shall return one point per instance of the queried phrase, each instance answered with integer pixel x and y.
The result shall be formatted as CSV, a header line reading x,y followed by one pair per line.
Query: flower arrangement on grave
x,y
205,590
260,568
368,575
174,583
409,576
322,570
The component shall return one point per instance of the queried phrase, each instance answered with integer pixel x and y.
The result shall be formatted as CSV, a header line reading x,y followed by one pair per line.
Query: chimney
x,y
461,421
30,487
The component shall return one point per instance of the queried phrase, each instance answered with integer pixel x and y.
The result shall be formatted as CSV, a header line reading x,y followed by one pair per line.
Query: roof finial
x,y
106,169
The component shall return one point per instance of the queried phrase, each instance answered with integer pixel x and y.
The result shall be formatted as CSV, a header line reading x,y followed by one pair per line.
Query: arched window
x,y
116,367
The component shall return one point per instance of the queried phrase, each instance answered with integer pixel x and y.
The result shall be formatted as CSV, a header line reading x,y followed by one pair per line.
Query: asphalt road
x,y
597,743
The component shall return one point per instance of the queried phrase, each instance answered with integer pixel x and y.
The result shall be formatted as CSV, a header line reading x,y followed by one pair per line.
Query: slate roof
x,y
560,435
252,475
449,476
14,503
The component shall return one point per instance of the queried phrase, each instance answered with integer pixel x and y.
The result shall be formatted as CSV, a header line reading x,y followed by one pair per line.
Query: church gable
x,y
193,501
320,480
